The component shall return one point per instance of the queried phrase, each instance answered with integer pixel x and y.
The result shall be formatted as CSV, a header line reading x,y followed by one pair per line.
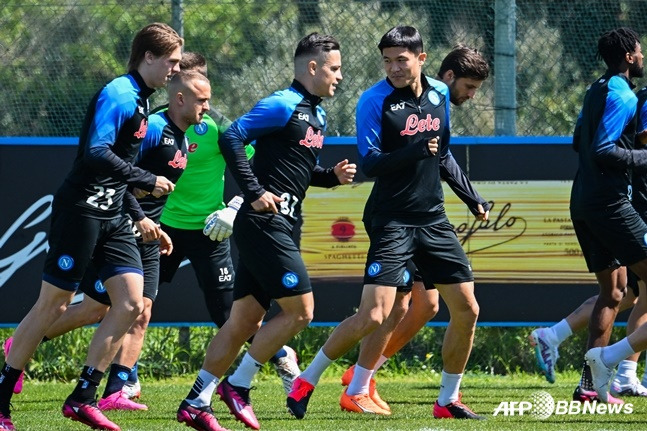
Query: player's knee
x,y
468,314
432,309
248,327
96,316
613,297
400,308
133,307
474,310
301,319
52,304
372,320
141,323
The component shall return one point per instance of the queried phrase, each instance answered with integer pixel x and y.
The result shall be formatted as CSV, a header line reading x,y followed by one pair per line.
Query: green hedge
x,y
168,352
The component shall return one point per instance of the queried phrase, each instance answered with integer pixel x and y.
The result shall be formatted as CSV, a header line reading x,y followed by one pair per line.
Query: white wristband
x,y
236,202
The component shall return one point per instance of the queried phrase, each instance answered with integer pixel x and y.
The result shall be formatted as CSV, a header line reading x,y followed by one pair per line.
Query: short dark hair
x,y
465,62
402,36
314,44
182,78
158,38
193,61
615,44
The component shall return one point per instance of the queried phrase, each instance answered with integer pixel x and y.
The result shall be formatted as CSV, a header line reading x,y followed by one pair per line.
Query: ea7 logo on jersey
x,y
168,141
304,117
397,106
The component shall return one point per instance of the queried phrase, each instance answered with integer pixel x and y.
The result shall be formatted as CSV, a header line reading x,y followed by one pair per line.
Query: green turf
x,y
411,399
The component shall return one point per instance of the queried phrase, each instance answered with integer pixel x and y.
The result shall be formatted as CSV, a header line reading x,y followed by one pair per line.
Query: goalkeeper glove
x,y
219,225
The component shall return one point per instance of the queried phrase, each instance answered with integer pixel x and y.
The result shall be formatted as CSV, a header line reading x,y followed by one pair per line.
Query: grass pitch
x,y
411,398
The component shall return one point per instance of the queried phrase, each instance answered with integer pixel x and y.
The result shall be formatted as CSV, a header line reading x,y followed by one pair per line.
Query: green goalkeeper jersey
x,y
199,191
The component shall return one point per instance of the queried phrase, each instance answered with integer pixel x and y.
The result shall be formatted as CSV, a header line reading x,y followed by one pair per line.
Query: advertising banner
x,y
528,237
526,253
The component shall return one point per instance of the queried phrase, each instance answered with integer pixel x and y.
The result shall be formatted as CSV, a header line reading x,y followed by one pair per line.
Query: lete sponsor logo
x,y
35,214
415,125
312,139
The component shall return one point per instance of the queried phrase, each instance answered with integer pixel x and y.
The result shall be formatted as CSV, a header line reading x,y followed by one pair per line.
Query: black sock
x,y
86,388
116,379
8,378
586,381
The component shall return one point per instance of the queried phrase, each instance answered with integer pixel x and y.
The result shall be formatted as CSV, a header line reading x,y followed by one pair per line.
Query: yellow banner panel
x,y
528,238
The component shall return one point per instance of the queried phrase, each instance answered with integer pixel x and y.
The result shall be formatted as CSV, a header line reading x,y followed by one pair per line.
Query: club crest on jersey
x,y
290,280
179,160
374,269
312,139
65,262
201,129
416,125
433,98
99,287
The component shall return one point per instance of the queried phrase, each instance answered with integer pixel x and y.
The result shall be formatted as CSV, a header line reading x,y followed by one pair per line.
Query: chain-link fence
x,y
56,53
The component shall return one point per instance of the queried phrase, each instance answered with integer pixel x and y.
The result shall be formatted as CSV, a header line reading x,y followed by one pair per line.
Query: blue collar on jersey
x,y
609,73
314,100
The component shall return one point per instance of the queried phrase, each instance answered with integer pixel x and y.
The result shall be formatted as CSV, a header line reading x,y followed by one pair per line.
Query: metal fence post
x,y
177,16
505,90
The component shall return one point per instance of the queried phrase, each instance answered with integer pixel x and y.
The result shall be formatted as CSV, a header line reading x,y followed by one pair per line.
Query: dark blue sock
x,y
280,354
133,377
116,379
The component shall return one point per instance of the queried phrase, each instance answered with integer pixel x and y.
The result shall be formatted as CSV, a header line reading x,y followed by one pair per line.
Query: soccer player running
x,y
403,135
546,341
463,70
163,152
87,223
603,360
199,223
288,129
609,229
